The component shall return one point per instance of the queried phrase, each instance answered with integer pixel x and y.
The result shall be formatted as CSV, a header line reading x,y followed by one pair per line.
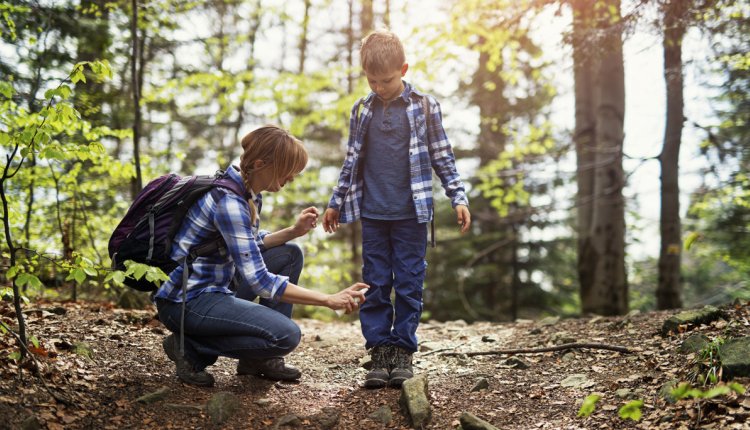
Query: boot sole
x,y
375,383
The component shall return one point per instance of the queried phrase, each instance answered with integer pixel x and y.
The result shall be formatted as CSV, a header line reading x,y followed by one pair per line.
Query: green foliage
x,y
687,391
589,405
631,410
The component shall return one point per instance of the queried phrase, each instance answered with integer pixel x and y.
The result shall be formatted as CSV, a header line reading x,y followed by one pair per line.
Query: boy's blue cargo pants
x,y
393,254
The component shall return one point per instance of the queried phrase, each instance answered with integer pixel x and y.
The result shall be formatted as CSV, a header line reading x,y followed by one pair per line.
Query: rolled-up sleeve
x,y
232,220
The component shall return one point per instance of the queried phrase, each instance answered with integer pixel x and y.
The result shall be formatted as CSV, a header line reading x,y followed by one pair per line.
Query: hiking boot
x,y
379,373
186,371
269,368
402,367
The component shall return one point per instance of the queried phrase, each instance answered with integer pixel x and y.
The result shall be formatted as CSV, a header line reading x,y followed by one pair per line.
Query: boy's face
x,y
387,85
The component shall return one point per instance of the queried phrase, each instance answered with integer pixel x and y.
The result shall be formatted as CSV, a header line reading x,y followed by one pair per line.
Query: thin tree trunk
x,y
366,18
668,291
303,38
610,288
134,73
584,63
600,110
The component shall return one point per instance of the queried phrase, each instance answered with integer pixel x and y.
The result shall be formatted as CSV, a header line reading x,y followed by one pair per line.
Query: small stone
x,y
623,393
222,406
263,402
156,396
414,401
665,392
568,356
488,339
481,384
692,317
548,321
382,415
31,423
577,380
470,421
516,363
694,343
735,357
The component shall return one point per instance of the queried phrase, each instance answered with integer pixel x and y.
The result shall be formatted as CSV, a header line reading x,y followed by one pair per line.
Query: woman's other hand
x,y
331,220
306,221
348,299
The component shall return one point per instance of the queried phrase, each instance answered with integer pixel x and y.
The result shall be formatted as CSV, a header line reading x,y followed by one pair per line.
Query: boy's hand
x,y
331,220
306,221
464,217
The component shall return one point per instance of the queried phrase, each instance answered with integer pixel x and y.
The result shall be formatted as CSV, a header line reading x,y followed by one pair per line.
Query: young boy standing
x,y
386,181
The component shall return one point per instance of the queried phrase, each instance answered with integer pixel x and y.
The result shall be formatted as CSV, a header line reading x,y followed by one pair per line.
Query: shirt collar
x,y
405,95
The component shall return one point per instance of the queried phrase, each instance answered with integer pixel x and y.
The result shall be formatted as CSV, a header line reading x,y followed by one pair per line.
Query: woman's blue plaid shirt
x,y
428,149
222,212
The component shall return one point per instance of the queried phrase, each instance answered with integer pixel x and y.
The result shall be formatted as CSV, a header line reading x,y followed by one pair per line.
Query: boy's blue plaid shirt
x,y
222,211
428,149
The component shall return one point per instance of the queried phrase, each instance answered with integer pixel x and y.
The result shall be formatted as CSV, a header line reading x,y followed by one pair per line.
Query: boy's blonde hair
x,y
281,152
381,52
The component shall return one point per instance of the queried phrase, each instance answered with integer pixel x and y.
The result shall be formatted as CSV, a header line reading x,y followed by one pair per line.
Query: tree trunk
x,y
584,63
138,180
303,38
366,18
601,263
668,292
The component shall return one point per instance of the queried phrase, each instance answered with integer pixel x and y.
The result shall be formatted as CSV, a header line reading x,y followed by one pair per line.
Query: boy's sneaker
x,y
186,372
270,368
379,374
402,367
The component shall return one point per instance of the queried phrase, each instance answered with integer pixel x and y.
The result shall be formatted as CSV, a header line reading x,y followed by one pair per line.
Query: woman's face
x,y
265,178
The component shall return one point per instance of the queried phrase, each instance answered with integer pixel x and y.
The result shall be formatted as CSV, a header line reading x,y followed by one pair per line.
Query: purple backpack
x,y
145,233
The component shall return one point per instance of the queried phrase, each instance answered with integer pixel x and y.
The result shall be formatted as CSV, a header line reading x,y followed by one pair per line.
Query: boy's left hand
x,y
464,217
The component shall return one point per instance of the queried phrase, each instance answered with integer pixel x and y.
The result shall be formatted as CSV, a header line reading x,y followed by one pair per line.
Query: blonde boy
x,y
386,182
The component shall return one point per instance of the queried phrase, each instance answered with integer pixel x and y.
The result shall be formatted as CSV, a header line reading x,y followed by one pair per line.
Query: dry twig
x,y
545,349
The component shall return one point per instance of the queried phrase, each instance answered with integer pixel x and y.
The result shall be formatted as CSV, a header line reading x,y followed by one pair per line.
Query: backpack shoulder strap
x,y
426,109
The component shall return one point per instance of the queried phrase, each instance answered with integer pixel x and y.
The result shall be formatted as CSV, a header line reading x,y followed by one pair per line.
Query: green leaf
x,y
79,275
15,355
90,271
6,89
589,405
736,387
692,237
34,341
631,410
719,390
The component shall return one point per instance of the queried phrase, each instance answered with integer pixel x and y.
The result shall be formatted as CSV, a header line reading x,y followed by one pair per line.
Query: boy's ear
x,y
404,68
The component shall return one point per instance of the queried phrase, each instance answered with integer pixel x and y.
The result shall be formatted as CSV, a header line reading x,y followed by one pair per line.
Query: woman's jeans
x,y
393,253
218,324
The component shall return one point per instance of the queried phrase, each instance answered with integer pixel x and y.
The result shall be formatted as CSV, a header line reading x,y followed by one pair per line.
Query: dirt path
x,y
127,362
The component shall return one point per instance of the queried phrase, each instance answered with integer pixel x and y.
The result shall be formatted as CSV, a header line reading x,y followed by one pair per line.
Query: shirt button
x,y
415,197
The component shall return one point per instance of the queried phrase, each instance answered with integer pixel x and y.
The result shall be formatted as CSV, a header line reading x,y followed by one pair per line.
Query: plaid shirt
x,y
222,212
428,149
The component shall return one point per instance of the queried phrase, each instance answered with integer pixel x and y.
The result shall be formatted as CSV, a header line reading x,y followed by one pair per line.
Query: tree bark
x,y
584,64
303,38
668,291
138,180
601,259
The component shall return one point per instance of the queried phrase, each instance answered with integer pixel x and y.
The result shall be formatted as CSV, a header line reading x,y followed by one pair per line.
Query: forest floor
x,y
529,391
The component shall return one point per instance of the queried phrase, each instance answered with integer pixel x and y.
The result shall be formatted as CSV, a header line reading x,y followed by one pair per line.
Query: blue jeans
x,y
218,324
393,253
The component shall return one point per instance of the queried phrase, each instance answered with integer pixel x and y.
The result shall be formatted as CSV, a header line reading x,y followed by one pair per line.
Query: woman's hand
x,y
331,220
348,299
306,221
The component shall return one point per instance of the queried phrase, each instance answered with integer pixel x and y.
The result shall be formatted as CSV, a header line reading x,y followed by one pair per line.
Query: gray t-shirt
x,y
387,181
